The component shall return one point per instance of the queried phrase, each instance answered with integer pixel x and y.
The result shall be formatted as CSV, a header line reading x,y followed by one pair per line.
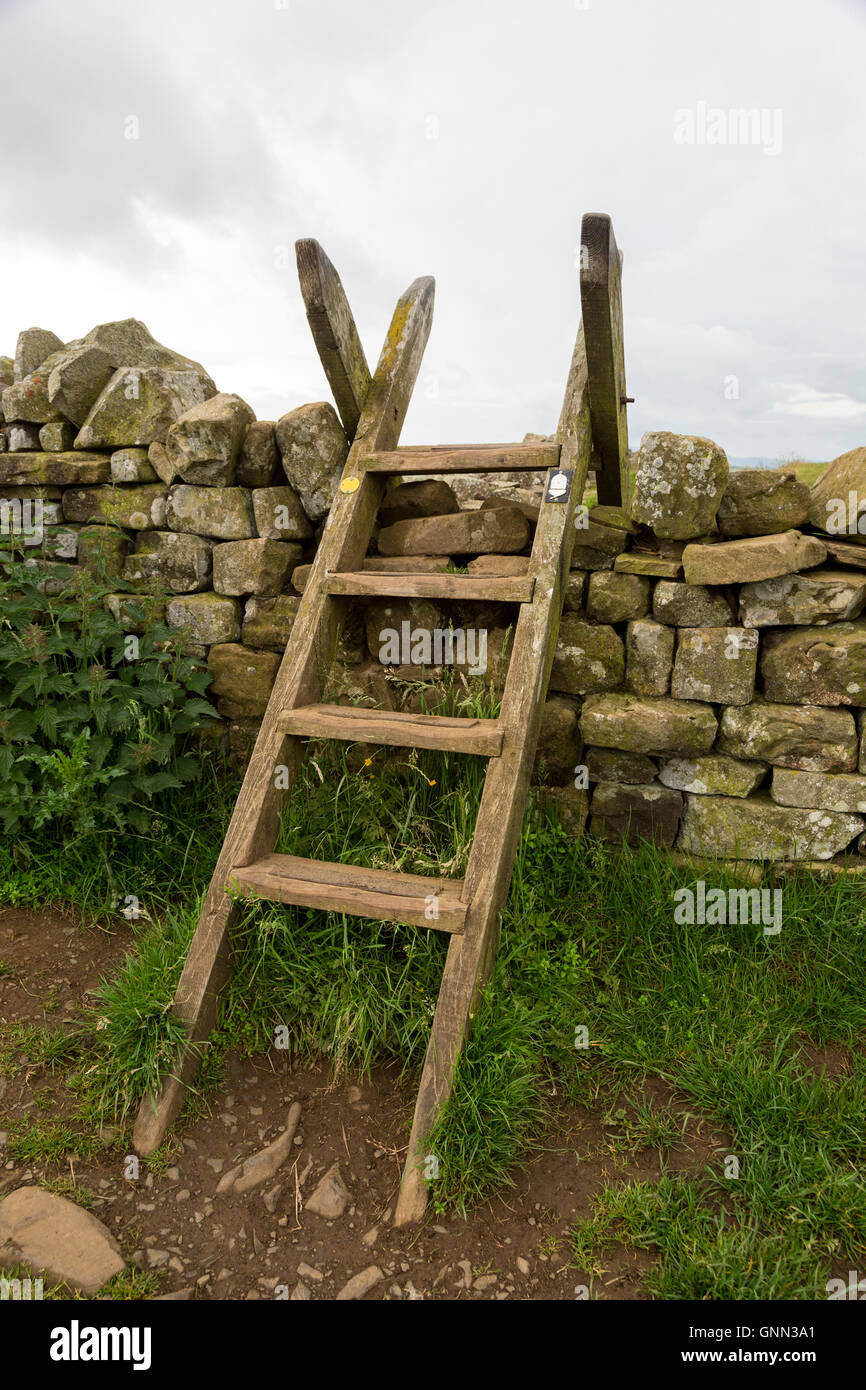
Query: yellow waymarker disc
x,y
350,484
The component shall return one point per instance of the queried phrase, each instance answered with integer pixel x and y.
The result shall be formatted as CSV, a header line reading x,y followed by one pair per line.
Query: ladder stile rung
x,y
355,724
379,894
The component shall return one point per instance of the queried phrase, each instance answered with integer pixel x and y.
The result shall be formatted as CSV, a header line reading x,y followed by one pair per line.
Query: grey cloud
x,y
463,140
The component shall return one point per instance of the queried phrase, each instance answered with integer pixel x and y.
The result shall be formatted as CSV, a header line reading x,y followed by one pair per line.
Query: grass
x,y
808,473
724,1015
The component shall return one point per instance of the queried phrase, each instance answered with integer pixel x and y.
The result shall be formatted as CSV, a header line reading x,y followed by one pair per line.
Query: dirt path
x,y
264,1244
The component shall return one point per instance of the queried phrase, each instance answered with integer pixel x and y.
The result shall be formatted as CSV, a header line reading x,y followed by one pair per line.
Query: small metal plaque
x,y
558,484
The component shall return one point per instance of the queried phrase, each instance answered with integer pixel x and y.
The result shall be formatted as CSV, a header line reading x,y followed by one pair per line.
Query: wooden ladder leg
x,y
500,815
254,824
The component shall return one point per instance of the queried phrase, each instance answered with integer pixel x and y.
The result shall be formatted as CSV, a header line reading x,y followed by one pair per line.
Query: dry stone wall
x,y
121,457
717,642
709,686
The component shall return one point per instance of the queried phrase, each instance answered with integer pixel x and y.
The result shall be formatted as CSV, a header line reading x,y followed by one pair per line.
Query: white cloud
x,y
818,405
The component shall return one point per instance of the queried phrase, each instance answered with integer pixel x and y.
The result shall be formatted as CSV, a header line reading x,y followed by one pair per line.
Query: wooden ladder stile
x,y
372,409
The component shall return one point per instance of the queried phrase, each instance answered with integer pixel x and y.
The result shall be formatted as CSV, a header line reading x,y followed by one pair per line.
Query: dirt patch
x,y
50,962
826,1059
263,1244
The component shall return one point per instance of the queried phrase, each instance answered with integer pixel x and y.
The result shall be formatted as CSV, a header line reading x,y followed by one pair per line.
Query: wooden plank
x,y
467,458
358,725
254,824
574,418
334,332
601,302
500,816
379,894
493,588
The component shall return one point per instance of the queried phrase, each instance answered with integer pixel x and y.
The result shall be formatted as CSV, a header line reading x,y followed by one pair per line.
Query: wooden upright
x,y
601,302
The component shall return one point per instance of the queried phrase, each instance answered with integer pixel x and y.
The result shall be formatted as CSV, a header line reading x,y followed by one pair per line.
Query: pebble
x,y
370,1237
360,1284
215,1163
183,1195
522,1265
300,1293
307,1272
331,1196
484,1281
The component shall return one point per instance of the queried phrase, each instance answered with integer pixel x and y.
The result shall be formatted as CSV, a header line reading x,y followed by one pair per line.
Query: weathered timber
x,y
490,588
466,458
379,894
601,301
503,802
359,725
254,824
334,332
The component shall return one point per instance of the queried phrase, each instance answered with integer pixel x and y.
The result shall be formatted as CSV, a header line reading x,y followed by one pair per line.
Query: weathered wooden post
x,y
601,303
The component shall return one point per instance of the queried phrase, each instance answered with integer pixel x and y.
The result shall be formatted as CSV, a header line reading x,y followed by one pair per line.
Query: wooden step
x,y
492,588
377,893
358,725
465,458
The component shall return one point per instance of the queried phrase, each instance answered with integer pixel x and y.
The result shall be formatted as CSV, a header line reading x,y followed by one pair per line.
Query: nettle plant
x,y
95,712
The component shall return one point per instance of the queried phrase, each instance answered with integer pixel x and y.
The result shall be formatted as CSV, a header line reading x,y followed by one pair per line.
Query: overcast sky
x,y
463,139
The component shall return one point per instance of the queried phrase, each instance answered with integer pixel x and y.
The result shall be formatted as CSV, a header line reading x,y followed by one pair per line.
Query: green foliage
x,y
92,725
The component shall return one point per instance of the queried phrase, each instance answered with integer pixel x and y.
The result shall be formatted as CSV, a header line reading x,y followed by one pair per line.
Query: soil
x,y
264,1245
